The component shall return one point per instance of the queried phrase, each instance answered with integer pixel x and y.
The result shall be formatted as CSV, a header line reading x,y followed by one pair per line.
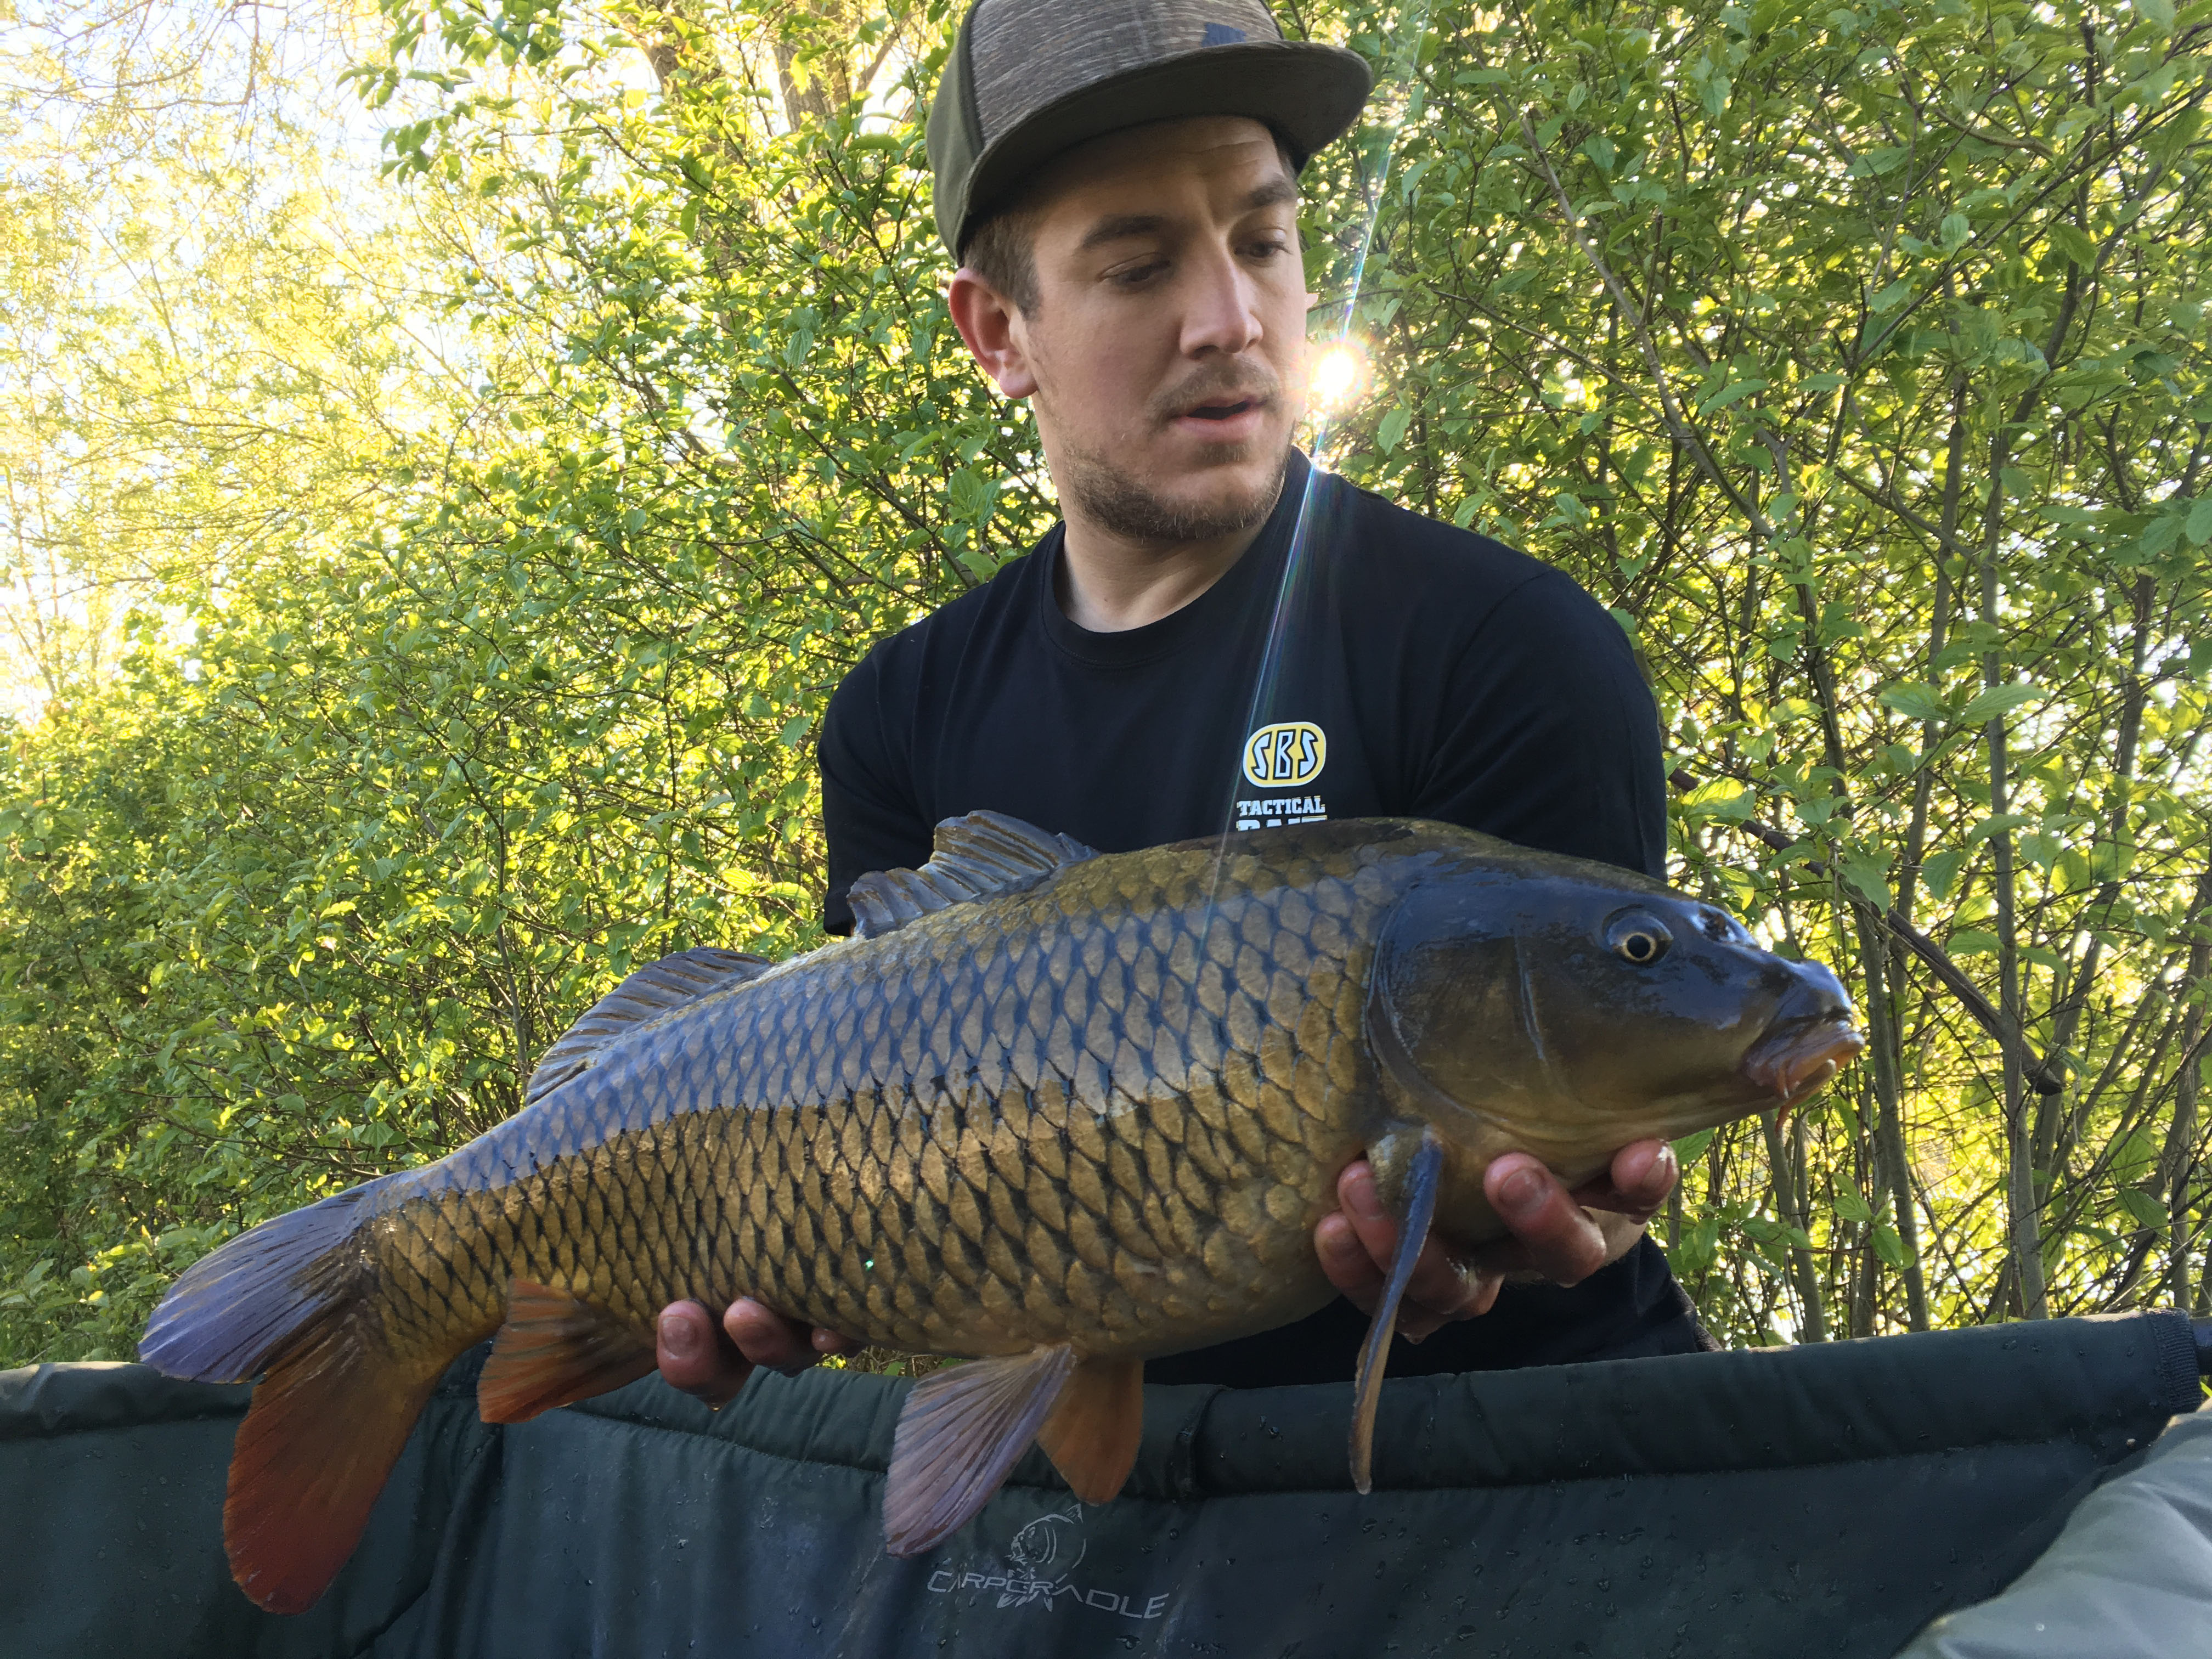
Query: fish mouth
x,y
1798,1057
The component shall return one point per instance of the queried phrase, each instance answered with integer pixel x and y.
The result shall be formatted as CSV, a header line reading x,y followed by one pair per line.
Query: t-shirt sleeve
x,y
869,818
1549,735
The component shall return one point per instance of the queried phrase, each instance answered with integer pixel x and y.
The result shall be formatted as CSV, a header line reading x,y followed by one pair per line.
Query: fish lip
x,y
1794,1058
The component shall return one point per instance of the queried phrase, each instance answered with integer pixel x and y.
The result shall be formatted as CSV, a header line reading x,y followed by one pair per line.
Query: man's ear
x,y
989,323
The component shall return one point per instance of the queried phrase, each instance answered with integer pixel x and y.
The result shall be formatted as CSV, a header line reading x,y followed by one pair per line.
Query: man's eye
x,y
1136,273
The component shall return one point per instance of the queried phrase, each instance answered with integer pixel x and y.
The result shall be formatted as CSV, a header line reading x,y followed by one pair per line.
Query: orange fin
x,y
961,1434
324,1430
1421,1178
1091,1436
552,1349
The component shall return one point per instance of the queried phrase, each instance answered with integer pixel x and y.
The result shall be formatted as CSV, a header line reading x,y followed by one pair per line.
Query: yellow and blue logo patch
x,y
1287,755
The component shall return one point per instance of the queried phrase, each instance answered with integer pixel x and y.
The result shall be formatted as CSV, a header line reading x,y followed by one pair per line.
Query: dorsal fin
x,y
644,997
979,856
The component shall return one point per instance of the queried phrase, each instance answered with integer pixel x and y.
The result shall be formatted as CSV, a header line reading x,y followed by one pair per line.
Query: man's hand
x,y
1554,1235
711,1362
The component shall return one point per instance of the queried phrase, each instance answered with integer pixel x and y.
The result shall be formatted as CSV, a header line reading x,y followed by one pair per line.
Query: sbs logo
x,y
1285,755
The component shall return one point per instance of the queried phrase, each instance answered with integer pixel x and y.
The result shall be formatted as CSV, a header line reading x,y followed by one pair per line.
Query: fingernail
x,y
1364,1200
678,1336
1521,1190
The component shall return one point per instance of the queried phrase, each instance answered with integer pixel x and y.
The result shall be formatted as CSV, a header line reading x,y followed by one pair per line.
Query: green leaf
x,y
1733,392
2077,248
2198,525
2161,533
1998,824
1720,798
1851,1206
1391,430
1998,700
2146,1210
1939,870
1690,1148
1915,701
1888,1246
1868,873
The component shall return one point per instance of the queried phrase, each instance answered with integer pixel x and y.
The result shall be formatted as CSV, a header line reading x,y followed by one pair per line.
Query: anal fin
x,y
1422,1176
961,1434
1092,1434
554,1349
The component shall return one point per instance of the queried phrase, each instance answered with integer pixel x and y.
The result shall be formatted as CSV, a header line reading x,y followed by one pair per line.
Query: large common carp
x,y
1058,1110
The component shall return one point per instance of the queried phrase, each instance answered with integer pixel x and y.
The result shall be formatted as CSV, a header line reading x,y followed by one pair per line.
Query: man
x,y
1217,637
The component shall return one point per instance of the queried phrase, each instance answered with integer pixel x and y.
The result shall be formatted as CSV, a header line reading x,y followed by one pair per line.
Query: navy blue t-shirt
x,y
1358,660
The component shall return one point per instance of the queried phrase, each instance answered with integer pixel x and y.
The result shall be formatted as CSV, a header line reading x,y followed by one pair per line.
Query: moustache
x,y
1216,388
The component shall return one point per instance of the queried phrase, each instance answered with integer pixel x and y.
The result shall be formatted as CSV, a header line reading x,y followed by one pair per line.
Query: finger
x,y
1344,1261
694,1356
1645,1173
1361,1206
1558,1239
1442,1285
766,1338
1637,1183
1445,1287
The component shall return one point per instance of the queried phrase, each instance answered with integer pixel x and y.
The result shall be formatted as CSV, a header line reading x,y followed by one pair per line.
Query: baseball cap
x,y
1028,79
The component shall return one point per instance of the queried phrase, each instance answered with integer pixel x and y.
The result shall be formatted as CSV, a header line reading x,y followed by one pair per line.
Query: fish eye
x,y
1637,936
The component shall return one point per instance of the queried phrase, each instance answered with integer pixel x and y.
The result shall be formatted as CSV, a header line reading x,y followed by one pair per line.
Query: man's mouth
x,y
1222,409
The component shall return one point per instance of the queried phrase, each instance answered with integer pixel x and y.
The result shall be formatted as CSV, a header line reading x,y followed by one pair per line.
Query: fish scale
x,y
1058,1111
799,1086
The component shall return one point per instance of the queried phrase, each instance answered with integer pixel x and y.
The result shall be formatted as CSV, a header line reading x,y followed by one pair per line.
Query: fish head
x,y
1566,1008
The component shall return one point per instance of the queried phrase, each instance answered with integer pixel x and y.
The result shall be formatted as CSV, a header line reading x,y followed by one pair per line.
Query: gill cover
x,y
1452,1012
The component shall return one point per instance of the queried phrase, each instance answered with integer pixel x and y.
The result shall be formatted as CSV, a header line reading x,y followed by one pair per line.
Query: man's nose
x,y
1221,312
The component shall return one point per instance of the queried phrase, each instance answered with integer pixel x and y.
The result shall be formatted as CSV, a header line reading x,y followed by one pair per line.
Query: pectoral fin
x,y
553,1350
1091,1436
1422,1174
961,1434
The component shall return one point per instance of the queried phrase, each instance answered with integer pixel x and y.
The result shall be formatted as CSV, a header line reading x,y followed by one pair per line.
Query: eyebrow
x,y
1116,227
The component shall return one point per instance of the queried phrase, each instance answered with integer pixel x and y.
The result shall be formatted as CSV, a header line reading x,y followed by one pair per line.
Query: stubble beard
x,y
1123,503
1127,504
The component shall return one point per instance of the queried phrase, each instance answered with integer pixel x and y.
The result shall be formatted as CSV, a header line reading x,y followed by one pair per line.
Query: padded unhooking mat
x,y
1811,1501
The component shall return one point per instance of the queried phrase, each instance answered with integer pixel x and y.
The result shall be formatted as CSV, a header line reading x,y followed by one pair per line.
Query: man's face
x,y
1165,354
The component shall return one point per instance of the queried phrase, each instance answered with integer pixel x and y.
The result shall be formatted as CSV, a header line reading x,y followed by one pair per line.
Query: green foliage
x,y
476,564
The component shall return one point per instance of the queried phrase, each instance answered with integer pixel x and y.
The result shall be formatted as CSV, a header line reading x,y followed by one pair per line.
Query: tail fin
x,y
234,1310
291,1297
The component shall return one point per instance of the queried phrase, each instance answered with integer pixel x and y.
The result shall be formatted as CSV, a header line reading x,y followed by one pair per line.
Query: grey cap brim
x,y
1309,94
